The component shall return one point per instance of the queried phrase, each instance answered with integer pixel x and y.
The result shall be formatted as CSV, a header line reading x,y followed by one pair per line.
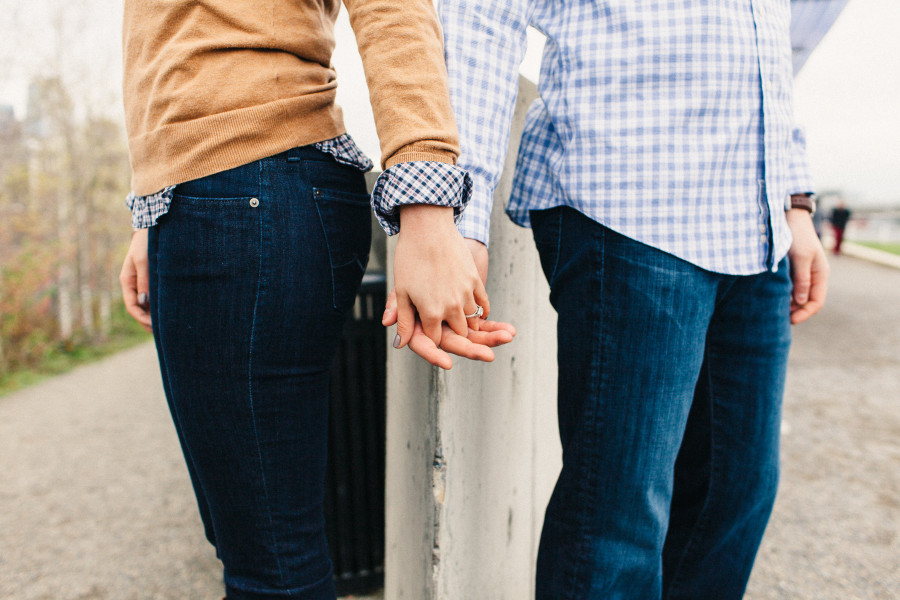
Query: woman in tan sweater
x,y
252,235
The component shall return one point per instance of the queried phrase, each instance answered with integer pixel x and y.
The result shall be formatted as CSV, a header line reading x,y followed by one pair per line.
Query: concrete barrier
x,y
472,454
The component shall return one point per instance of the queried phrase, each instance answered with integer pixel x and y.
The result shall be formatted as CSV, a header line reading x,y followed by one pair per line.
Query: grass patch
x,y
124,333
893,248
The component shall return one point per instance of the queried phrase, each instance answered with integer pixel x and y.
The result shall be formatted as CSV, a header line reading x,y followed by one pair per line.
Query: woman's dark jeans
x,y
252,273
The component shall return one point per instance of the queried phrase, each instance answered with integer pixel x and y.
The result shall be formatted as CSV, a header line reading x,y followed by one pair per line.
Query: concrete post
x,y
472,454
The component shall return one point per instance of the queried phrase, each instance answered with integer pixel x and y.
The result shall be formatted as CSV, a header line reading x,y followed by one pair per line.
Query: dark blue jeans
x,y
670,387
251,274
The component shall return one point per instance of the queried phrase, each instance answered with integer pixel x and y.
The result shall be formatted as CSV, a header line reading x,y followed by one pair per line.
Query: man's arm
x,y
809,267
484,44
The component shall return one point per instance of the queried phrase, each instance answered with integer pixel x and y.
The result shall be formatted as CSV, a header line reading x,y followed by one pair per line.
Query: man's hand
x,y
434,275
809,267
134,279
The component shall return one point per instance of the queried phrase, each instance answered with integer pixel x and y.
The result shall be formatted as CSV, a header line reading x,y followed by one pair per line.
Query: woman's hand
x,y
135,279
434,275
478,336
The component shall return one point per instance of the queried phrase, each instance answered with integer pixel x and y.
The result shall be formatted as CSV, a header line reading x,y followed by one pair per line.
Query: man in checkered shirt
x,y
667,190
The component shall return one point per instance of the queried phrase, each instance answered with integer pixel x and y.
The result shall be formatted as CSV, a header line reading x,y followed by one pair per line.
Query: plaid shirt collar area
x,y
404,183
668,121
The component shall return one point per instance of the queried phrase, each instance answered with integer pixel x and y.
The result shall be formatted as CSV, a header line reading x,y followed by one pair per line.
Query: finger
x,y
390,310
817,293
406,320
142,272
800,276
459,324
491,339
461,346
422,345
431,325
498,326
128,283
481,298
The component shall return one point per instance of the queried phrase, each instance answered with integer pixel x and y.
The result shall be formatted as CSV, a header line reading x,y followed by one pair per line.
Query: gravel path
x,y
835,532
95,502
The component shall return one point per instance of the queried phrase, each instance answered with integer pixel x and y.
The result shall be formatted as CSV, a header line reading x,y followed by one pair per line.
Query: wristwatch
x,y
804,201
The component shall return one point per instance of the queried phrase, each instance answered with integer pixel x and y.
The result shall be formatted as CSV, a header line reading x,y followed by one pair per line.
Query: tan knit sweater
x,y
212,85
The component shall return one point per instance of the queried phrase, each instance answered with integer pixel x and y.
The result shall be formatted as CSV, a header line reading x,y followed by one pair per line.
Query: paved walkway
x,y
95,503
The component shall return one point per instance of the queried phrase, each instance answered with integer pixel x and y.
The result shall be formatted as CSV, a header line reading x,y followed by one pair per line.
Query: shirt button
x,y
762,228
763,238
254,202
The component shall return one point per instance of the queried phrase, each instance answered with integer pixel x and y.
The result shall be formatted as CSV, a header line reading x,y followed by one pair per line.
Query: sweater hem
x,y
188,150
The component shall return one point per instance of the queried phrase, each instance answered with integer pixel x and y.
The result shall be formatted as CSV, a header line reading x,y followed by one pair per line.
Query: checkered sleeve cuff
x,y
145,210
419,182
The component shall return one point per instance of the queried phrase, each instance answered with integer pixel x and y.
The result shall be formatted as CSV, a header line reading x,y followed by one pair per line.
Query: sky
x,y
846,96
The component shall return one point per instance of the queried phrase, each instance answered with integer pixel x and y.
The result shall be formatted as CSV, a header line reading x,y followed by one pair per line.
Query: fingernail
x,y
397,341
142,298
384,315
801,300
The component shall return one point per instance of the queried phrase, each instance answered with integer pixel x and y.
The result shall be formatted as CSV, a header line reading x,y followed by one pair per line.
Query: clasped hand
x,y
436,284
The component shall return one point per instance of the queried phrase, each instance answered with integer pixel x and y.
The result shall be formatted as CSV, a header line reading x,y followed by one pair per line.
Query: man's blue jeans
x,y
251,274
670,387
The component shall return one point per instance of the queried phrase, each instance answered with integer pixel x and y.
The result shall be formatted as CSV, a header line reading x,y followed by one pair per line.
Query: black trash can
x,y
354,488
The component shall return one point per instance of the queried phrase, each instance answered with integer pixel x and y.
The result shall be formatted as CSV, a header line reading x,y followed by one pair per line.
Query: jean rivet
x,y
254,202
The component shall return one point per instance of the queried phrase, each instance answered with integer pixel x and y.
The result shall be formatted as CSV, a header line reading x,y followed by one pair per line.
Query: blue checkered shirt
x,y
669,121
421,182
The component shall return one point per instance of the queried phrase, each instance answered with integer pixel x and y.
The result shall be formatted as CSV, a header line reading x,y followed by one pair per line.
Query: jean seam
x,y
558,244
262,471
703,518
584,547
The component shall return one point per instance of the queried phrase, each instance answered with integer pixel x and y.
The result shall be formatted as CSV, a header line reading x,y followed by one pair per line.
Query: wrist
x,y
424,216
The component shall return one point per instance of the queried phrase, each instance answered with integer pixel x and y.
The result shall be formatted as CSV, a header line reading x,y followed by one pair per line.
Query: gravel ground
x,y
835,532
95,503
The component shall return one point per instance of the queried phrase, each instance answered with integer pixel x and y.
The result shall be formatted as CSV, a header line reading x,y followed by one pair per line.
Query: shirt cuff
x,y
476,221
145,210
419,182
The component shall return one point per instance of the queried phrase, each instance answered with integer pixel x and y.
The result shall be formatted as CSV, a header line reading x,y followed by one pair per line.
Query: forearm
x,y
402,54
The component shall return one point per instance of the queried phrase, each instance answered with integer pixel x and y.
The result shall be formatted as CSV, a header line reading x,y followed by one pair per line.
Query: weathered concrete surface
x,y
835,532
472,454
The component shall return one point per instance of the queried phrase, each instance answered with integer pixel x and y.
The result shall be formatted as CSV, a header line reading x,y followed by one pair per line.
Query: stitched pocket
x,y
346,219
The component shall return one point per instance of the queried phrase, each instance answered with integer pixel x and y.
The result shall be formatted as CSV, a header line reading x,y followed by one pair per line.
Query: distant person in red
x,y
840,214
